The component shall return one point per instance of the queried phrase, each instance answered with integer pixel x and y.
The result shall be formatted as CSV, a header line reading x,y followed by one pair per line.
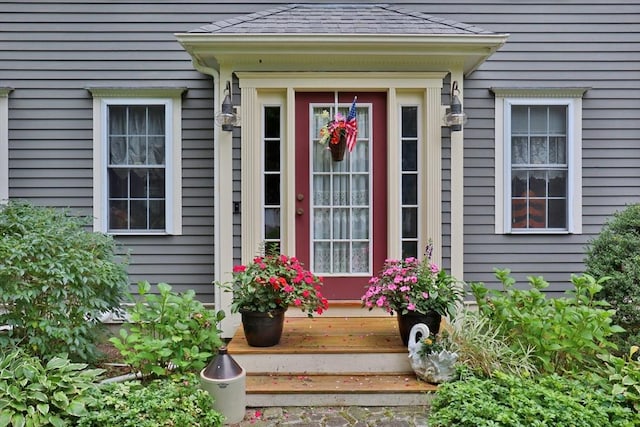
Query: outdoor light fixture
x,y
227,117
455,118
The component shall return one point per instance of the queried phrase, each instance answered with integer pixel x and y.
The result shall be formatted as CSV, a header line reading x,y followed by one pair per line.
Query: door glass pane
x,y
341,200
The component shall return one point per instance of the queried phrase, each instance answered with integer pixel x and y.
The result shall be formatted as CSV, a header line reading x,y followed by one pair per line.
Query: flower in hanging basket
x,y
275,281
409,285
341,128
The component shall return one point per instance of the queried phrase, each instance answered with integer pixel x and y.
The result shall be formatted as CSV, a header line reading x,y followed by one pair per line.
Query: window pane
x,y
137,122
409,122
410,155
117,116
340,189
360,257
341,256
118,183
137,153
156,120
118,215
558,213
138,183
272,223
156,183
272,122
520,150
538,183
321,190
538,118
272,156
138,214
520,119
322,223
156,215
117,150
537,213
558,119
538,150
341,224
409,249
272,189
409,189
557,184
519,184
156,150
360,193
360,224
410,222
322,257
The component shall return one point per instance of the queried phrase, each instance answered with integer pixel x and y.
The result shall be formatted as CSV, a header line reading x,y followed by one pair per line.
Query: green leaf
x,y
43,408
5,417
17,420
61,398
56,421
77,408
57,363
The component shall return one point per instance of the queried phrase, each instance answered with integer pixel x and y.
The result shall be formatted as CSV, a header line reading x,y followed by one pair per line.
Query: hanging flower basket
x,y
338,149
340,133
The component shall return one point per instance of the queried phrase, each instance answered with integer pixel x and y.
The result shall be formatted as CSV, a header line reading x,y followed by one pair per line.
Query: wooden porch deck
x,y
331,361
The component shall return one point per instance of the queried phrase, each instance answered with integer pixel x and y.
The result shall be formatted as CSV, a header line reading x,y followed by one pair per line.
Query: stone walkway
x,y
397,416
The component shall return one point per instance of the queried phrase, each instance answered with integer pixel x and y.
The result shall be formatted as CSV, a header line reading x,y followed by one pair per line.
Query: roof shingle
x,y
339,19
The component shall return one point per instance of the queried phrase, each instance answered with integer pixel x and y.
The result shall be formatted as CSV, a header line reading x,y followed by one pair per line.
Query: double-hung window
x,y
538,161
137,165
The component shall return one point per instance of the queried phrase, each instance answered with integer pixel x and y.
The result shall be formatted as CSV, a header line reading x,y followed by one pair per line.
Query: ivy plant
x,y
168,332
35,394
511,401
175,401
56,280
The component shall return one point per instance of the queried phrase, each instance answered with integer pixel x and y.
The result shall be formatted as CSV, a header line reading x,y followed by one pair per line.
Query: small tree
x,y
56,279
615,253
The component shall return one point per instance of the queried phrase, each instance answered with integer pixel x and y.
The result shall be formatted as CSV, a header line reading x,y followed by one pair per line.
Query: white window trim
x,y
505,98
4,144
171,98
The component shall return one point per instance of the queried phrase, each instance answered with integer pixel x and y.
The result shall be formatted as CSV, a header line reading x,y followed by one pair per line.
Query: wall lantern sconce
x,y
455,118
227,117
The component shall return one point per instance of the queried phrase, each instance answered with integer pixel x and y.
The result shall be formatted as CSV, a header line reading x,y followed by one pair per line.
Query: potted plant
x,y
340,133
265,288
416,291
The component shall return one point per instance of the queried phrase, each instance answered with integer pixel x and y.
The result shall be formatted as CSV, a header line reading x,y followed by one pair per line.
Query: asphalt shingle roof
x,y
340,19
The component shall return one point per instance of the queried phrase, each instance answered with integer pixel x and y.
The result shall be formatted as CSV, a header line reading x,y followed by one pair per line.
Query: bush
x,y
177,401
565,334
168,332
56,279
37,394
620,377
615,253
511,401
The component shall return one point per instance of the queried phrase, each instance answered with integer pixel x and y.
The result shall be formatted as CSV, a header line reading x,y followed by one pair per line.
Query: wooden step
x,y
331,361
337,390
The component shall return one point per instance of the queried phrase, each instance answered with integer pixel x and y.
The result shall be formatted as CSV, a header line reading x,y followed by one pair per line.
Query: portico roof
x,y
375,37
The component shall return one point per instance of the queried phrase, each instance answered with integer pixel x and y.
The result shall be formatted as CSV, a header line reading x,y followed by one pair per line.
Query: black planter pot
x,y
406,322
263,329
338,150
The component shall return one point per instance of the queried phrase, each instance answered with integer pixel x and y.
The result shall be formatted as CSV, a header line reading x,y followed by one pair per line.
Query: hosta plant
x,y
35,394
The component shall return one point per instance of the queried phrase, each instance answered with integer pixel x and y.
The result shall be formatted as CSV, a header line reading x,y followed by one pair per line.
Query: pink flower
x,y
425,295
411,306
239,268
297,302
434,268
380,302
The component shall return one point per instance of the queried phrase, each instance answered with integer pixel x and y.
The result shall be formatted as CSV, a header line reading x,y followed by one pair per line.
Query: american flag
x,y
352,126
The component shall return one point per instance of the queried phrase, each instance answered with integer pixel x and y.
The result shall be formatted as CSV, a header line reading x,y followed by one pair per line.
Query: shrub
x,y
506,400
56,279
620,377
481,349
168,332
176,401
615,253
37,394
566,334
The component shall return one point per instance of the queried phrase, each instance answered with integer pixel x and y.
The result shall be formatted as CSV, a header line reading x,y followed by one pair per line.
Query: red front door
x,y
341,230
